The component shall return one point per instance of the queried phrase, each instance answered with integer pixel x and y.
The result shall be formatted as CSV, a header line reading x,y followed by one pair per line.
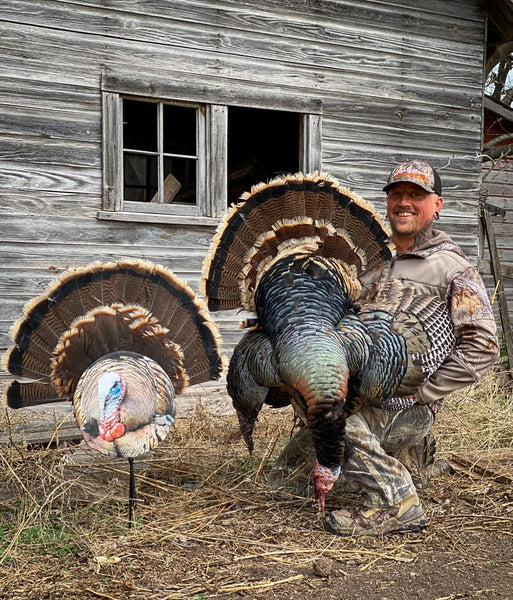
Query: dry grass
x,y
479,417
207,525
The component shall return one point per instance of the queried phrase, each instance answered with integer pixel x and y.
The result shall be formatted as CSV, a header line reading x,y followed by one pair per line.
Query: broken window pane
x,y
140,177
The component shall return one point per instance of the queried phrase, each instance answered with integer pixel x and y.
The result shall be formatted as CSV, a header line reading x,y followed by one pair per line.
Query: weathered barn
x,y
496,190
497,213
128,127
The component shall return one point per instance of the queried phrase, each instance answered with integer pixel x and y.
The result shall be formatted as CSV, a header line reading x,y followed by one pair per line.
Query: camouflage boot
x,y
408,516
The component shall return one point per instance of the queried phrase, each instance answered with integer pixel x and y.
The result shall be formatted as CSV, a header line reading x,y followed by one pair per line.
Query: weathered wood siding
x,y
498,190
497,194
396,79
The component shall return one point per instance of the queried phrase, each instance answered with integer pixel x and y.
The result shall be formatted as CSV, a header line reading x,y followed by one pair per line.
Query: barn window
x,y
160,152
179,160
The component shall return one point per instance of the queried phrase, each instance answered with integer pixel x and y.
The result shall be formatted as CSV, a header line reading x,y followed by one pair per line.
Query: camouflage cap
x,y
416,171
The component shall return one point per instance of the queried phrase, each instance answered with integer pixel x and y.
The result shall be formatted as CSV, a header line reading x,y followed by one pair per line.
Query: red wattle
x,y
113,433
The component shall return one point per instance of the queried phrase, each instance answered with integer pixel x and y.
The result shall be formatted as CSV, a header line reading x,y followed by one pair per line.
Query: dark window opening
x,y
261,145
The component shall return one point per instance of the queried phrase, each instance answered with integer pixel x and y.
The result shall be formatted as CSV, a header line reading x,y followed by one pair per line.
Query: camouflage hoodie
x,y
440,268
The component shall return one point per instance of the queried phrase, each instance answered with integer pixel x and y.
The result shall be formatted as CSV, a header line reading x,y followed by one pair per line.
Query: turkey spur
x,y
292,252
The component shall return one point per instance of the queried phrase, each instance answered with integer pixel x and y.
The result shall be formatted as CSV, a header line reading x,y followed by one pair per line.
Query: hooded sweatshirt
x,y
439,267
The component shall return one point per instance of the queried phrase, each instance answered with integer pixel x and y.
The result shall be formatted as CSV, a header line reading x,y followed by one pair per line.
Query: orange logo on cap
x,y
421,176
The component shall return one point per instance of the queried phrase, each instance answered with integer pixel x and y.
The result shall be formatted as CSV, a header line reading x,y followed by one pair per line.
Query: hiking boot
x,y
419,460
407,516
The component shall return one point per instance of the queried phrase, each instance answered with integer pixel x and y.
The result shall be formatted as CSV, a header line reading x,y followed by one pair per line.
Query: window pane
x,y
179,130
139,125
179,180
140,178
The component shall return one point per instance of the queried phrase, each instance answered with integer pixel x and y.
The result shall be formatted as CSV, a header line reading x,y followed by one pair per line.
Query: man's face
x,y
410,208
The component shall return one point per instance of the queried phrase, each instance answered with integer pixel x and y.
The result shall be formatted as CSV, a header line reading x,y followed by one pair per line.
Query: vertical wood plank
x,y
112,159
310,143
202,116
217,148
160,108
497,276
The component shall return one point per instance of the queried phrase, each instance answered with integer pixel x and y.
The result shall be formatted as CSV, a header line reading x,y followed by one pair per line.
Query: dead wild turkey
x,y
292,251
119,340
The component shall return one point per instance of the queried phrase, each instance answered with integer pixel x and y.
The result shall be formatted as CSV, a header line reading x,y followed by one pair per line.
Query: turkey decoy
x,y
120,340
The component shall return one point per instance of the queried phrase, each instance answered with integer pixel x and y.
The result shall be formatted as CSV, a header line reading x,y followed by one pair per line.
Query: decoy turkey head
x,y
111,391
323,479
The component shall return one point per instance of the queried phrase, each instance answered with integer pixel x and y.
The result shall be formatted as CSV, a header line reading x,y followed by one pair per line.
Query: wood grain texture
x,y
379,80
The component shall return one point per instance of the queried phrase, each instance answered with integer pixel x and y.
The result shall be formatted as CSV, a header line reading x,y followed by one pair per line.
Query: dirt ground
x,y
209,526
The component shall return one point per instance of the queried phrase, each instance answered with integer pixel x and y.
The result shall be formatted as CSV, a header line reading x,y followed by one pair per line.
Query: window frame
x,y
160,154
213,102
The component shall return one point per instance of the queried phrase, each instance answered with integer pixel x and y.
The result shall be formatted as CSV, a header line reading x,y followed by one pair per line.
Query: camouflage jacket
x,y
439,267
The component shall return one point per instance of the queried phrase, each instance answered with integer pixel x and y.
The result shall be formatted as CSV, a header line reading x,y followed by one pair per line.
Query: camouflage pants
x,y
372,435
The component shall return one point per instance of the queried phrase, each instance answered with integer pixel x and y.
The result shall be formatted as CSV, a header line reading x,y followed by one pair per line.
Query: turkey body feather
x,y
120,340
292,251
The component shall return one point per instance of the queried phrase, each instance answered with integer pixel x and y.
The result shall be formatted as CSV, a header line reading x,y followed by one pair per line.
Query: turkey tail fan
x,y
19,394
130,305
106,330
309,214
